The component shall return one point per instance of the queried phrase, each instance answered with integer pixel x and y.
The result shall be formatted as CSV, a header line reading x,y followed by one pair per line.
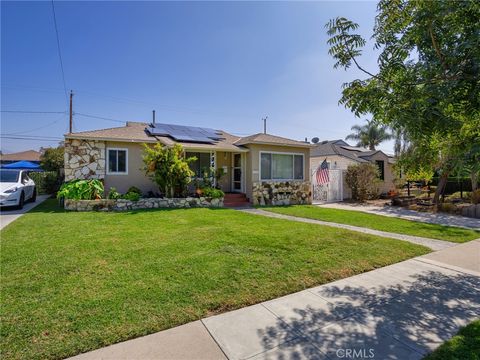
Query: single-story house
x,y
339,155
266,168
28,155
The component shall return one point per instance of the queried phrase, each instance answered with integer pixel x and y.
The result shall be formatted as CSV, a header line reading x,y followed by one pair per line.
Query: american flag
x,y
322,174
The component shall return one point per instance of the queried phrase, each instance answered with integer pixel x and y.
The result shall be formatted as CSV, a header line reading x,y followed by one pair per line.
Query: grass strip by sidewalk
x,y
463,346
73,282
378,222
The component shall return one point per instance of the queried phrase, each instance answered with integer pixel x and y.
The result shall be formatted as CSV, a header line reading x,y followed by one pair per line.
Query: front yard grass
x,y
73,282
463,346
379,222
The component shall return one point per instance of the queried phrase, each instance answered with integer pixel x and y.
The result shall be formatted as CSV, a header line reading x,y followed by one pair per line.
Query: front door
x,y
237,173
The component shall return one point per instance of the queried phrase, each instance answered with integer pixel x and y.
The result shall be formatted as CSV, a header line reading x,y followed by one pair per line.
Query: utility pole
x,y
265,124
71,112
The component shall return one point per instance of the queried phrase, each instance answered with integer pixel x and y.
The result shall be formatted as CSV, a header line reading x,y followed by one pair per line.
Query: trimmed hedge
x,y
46,182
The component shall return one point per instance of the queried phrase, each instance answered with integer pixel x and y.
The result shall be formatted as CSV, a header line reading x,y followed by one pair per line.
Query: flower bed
x,y
144,203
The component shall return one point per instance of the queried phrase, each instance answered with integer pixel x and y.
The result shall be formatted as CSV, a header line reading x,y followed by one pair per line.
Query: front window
x,y
201,164
278,166
9,176
117,161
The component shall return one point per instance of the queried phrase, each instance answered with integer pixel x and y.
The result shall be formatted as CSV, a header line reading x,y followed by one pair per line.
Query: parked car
x,y
16,188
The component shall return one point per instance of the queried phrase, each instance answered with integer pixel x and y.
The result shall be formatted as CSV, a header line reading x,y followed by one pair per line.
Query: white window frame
x,y
108,161
293,165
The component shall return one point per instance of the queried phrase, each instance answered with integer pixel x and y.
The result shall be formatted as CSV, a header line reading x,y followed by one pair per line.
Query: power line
x,y
38,128
36,136
28,138
32,112
99,117
123,100
59,52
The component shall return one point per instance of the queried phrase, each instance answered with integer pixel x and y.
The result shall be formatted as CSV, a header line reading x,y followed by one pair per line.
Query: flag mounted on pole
x,y
322,174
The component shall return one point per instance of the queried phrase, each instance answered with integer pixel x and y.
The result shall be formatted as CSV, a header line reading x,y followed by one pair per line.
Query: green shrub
x,y
213,193
457,195
132,196
81,190
168,168
113,194
134,189
363,181
46,182
448,207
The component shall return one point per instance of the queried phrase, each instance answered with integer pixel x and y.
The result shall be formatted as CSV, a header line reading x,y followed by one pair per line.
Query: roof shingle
x,y
136,132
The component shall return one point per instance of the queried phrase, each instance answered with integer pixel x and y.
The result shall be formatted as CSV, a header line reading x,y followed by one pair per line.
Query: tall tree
x,y
52,159
428,78
369,135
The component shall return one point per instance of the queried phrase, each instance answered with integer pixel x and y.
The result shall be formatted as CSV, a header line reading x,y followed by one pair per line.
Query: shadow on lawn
x,y
397,323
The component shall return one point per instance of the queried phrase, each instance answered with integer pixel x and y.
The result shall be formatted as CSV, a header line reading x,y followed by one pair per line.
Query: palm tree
x,y
401,142
369,135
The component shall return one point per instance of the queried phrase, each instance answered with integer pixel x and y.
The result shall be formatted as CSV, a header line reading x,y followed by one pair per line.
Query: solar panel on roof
x,y
186,133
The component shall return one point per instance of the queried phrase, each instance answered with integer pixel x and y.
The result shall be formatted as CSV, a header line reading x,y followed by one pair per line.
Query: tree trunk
x,y
442,182
474,179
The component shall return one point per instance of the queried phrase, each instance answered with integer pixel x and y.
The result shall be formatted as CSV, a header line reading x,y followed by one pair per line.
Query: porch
x,y
229,168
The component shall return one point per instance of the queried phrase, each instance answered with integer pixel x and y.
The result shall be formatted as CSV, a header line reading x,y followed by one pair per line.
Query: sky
x,y
223,65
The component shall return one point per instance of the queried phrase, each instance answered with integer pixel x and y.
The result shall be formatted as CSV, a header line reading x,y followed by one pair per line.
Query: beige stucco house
x,y
268,169
340,155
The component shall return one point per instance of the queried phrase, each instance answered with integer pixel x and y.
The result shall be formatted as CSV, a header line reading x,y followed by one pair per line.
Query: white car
x,y
16,188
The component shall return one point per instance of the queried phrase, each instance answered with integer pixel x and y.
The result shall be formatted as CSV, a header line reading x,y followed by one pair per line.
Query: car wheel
x,y
21,201
34,195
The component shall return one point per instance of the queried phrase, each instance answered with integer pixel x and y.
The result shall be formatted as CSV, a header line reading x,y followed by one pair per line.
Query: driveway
x,y
7,215
401,311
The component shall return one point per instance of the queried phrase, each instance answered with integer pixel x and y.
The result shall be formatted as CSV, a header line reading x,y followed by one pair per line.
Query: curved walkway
x,y
430,243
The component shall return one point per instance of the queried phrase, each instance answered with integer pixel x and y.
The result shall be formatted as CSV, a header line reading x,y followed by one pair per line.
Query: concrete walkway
x,y
401,311
8,215
402,213
430,243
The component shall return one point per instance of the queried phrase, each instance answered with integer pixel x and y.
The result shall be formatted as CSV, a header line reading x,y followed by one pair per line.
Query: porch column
x,y
213,165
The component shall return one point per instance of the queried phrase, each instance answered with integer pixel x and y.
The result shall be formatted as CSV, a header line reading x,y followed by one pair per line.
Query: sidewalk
x,y
401,311
402,213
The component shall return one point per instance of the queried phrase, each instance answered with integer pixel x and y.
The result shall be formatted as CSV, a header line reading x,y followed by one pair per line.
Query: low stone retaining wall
x,y
147,203
282,193
472,211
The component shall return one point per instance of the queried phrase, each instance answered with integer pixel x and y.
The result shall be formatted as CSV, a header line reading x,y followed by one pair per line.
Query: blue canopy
x,y
22,165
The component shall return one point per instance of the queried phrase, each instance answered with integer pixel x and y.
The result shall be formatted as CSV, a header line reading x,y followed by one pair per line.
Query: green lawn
x,y
73,282
463,346
379,222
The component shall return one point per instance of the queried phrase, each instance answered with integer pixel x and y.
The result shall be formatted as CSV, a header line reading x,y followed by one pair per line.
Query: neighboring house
x,y
29,155
340,155
262,166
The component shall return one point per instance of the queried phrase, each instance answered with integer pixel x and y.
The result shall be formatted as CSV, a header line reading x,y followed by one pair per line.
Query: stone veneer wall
x,y
147,203
281,193
84,159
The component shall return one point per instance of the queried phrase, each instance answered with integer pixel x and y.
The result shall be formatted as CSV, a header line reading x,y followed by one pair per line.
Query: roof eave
x,y
274,144
103,138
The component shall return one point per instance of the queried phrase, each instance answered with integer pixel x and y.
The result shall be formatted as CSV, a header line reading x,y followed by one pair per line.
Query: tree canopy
x,y
52,159
428,83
